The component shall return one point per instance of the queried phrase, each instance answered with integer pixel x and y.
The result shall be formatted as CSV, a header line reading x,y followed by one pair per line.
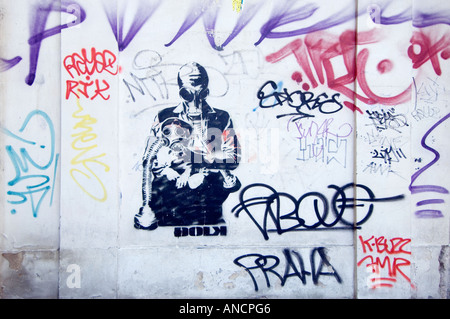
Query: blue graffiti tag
x,y
32,179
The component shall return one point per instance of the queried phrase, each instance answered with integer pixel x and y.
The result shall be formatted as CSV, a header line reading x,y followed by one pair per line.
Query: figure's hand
x,y
170,173
197,179
228,148
182,180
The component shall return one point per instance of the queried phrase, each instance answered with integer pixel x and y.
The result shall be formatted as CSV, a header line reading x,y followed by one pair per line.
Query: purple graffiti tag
x,y
418,18
249,13
5,64
209,23
428,213
428,188
282,15
144,11
402,17
430,201
209,16
192,17
422,20
39,19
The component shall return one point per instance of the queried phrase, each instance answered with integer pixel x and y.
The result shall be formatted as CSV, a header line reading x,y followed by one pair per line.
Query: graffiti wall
x,y
224,149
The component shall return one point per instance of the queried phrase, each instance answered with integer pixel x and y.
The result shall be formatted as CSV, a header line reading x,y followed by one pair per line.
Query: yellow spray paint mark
x,y
237,5
83,142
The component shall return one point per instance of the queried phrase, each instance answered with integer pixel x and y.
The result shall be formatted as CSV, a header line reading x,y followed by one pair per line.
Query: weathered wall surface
x,y
340,110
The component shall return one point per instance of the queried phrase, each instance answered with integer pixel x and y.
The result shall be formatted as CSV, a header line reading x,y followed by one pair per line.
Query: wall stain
x,y
14,260
199,283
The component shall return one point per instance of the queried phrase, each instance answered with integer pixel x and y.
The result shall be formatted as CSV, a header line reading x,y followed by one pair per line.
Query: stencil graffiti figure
x,y
188,160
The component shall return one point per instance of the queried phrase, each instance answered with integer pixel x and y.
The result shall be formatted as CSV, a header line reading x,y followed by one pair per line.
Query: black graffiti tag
x,y
304,103
295,266
263,209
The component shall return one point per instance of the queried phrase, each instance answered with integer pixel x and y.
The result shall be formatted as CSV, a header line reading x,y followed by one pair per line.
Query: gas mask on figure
x,y
193,84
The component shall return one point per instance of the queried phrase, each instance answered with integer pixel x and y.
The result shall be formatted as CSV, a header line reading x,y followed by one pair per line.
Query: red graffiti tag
x,y
424,49
315,53
382,245
97,63
378,252
84,65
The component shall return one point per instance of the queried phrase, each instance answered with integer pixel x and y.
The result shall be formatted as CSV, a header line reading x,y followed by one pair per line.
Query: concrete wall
x,y
341,111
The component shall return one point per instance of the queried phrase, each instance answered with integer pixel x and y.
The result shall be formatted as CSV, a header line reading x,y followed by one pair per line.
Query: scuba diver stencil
x,y
189,159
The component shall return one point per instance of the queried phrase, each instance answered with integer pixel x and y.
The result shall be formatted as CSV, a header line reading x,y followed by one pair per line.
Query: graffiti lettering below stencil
x,y
295,266
189,159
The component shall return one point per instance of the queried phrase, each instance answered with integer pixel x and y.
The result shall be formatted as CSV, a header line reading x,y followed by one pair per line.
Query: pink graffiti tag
x,y
315,53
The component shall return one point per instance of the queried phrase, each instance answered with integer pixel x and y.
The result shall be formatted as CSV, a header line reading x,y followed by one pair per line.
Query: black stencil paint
x,y
188,163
